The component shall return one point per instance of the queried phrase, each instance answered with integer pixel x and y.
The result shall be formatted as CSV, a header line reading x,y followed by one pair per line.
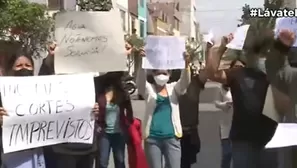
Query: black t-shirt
x,y
189,102
292,56
248,88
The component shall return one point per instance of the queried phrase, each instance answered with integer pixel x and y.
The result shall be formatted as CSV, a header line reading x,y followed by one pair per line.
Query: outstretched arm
x,y
281,75
141,80
213,62
47,66
183,83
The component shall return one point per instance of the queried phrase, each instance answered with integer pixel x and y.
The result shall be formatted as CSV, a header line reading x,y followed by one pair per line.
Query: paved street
x,y
209,156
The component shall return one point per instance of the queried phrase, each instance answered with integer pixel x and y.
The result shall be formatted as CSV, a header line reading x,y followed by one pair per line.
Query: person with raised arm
x,y
250,130
224,102
162,126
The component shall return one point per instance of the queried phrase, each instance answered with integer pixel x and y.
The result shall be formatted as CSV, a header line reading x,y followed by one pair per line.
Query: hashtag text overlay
x,y
260,13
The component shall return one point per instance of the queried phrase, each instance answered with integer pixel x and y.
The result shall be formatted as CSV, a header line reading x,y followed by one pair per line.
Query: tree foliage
x,y
26,23
260,23
94,5
194,49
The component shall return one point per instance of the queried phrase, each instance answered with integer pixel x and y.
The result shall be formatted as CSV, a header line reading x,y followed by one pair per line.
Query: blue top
x,y
31,158
161,125
112,118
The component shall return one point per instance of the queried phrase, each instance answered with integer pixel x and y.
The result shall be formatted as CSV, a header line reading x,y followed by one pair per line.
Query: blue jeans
x,y
245,155
155,149
114,142
226,153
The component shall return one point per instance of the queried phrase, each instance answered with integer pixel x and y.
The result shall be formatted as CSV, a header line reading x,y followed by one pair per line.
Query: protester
x,y
282,71
161,126
21,64
115,116
189,114
248,87
47,66
73,155
224,102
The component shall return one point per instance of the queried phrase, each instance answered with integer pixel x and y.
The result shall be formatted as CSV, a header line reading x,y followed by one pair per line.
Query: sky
x,y
221,16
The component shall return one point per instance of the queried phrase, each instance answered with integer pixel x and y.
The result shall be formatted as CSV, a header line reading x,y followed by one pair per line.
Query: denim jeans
x,y
226,153
116,143
245,155
155,149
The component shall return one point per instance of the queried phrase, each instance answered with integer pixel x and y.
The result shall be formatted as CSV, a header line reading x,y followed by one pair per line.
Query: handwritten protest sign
x,y
89,42
284,136
239,38
164,52
47,110
209,37
286,23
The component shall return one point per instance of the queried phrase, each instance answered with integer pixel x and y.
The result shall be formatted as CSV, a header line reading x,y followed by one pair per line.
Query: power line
x,y
217,10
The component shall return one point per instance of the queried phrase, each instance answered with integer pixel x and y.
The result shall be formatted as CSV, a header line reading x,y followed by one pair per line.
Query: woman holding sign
x,y
21,65
162,126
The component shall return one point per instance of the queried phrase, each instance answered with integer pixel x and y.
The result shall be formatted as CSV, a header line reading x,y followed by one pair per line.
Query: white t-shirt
x,y
226,120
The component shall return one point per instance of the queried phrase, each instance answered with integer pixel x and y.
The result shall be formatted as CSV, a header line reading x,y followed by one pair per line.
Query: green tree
x,y
25,23
194,49
94,5
260,23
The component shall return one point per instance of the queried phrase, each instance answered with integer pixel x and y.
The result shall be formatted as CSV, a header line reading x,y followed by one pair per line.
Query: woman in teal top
x,y
161,125
162,140
114,108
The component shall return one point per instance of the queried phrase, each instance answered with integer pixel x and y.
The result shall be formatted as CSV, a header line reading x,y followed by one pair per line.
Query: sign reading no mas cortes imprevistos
x,y
89,42
47,110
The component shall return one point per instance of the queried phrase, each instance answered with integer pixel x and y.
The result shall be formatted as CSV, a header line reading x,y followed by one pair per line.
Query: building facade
x,y
188,25
122,6
133,17
142,17
165,18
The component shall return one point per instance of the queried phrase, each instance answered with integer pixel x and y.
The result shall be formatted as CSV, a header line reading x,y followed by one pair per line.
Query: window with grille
x,y
123,17
54,4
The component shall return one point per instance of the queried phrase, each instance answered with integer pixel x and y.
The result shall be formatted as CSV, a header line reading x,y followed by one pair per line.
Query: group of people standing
x,y
169,128
245,130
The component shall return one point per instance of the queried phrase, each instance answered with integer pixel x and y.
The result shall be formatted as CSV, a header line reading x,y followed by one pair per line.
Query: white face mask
x,y
161,80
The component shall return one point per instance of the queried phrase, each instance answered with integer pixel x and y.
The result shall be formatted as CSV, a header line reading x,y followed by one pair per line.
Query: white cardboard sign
x,y
89,42
164,52
239,38
47,110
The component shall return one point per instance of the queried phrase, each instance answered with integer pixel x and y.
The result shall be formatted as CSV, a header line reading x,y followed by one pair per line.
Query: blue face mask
x,y
261,64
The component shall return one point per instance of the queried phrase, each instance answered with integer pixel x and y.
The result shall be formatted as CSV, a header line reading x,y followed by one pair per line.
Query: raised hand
x,y
142,52
2,113
226,39
287,37
51,48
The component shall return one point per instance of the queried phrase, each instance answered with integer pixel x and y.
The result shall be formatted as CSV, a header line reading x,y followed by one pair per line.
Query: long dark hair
x,y
233,62
12,59
112,80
